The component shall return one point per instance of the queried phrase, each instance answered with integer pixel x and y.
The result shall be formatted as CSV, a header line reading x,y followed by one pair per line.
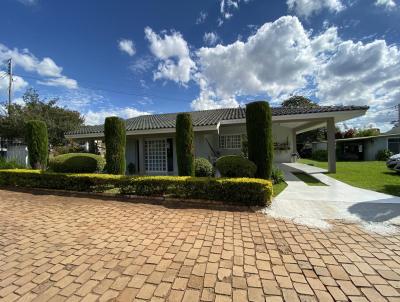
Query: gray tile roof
x,y
207,117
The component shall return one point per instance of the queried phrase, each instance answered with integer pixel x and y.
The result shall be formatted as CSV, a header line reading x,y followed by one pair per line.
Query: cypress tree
x,y
259,136
184,144
36,137
115,141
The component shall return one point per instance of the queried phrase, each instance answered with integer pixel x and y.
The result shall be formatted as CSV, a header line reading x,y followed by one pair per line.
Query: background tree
x,y
38,144
259,137
298,101
57,119
115,141
184,144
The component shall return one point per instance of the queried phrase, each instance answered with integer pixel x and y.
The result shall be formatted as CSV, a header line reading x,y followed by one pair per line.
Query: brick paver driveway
x,y
73,248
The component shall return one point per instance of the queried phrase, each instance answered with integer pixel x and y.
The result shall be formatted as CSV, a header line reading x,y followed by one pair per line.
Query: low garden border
x,y
244,191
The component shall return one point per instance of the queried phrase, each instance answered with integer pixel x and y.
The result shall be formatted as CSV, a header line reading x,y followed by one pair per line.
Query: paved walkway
x,y
57,248
315,204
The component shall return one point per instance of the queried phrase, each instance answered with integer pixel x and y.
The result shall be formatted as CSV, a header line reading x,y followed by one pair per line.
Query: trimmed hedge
x,y
184,144
203,168
235,166
115,141
77,163
37,140
246,191
259,137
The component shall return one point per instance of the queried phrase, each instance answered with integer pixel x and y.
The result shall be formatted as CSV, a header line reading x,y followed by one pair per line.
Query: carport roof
x,y
207,118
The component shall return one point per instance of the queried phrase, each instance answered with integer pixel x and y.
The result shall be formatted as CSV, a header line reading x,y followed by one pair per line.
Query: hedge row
x,y
247,191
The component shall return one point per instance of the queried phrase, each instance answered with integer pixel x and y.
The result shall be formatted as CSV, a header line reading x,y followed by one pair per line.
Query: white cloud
x,y
201,18
18,84
142,64
211,38
97,117
275,60
28,2
173,53
386,3
127,46
46,68
306,8
227,7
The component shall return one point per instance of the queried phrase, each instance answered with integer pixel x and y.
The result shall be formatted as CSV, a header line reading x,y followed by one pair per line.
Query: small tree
x,y
115,141
38,143
184,144
259,137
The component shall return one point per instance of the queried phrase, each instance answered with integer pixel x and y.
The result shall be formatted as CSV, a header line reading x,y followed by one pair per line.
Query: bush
x,y
247,191
38,143
235,166
77,163
184,144
115,141
4,164
383,155
131,168
203,168
277,176
72,148
259,137
320,155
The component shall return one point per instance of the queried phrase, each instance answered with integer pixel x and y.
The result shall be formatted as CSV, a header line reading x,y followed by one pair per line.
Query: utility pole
x,y
10,80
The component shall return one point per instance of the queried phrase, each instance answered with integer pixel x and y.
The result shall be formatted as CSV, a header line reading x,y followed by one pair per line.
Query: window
x,y
230,141
394,145
155,155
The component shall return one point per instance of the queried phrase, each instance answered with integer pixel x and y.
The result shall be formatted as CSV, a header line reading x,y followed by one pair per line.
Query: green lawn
x,y
278,188
372,175
308,179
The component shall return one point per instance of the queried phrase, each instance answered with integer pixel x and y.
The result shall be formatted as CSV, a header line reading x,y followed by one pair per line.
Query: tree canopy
x,y
58,119
296,101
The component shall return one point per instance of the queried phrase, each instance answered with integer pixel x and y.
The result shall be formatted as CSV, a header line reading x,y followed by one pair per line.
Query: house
x,y
150,145
364,148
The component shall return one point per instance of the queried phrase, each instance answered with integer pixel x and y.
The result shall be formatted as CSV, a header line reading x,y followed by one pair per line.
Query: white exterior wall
x,y
19,154
282,134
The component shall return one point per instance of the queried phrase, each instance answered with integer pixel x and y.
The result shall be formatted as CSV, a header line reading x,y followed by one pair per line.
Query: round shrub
x,y
37,140
383,155
236,166
77,163
202,168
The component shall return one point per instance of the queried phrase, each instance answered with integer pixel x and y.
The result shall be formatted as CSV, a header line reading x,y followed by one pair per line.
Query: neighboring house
x,y
151,147
14,150
364,148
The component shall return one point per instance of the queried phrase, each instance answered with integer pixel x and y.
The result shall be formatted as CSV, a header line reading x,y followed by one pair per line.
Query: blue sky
x,y
134,57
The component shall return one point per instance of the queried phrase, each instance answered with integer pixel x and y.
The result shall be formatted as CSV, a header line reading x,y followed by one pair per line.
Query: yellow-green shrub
x,y
246,191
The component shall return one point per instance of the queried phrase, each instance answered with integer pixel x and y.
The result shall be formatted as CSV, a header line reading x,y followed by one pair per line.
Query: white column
x,y
331,145
294,141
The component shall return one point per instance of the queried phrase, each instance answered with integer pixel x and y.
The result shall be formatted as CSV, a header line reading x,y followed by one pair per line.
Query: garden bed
x,y
245,191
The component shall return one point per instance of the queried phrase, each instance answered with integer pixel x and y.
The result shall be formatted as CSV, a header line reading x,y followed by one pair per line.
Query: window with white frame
x,y
155,155
394,145
230,141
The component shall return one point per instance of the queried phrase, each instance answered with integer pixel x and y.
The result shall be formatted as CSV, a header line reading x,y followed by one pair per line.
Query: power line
x,y
96,88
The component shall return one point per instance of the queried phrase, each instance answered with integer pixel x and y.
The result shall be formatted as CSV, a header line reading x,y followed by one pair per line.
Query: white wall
x,y
18,153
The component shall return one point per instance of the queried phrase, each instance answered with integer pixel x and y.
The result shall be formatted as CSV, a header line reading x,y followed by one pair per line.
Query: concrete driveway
x,y
316,205
75,248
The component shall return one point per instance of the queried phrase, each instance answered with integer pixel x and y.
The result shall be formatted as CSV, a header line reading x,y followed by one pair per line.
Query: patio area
x,y
76,248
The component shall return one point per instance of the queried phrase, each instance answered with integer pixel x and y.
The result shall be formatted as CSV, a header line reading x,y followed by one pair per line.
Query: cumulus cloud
x,y
386,3
46,68
173,54
127,46
97,117
142,64
18,84
306,8
211,38
227,7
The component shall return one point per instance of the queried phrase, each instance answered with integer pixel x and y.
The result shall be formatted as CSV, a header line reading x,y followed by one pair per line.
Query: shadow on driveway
x,y
384,210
